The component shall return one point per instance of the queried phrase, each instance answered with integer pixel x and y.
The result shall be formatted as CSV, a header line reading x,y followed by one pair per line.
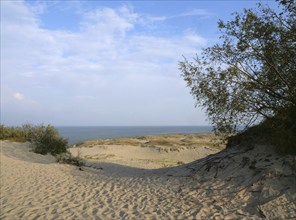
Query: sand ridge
x,y
150,152
226,185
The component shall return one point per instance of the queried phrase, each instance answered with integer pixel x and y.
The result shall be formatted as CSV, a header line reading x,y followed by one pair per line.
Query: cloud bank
x,y
105,73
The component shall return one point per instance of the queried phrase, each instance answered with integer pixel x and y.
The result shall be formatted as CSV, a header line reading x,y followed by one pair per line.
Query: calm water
x,y
76,134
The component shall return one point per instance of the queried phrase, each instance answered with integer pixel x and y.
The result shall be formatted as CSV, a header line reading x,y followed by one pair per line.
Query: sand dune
x,y
232,184
149,152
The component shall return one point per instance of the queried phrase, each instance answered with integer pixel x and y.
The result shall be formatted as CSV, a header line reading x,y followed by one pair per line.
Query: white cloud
x,y
196,39
151,20
24,14
197,12
19,96
108,20
101,71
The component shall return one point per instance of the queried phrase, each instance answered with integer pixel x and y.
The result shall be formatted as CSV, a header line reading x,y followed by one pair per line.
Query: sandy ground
x,y
157,184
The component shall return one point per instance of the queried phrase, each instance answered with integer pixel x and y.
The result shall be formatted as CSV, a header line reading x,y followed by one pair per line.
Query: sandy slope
x,y
227,185
150,152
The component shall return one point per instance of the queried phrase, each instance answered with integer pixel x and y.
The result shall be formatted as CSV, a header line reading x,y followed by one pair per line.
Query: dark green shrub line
x,y
278,131
43,139
48,140
19,134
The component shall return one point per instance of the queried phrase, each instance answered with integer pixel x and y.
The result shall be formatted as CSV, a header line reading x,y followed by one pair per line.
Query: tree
x,y
250,76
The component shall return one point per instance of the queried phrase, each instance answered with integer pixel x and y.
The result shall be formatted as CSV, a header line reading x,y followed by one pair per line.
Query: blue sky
x,y
104,62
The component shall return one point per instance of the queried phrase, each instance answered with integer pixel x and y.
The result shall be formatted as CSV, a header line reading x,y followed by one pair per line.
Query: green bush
x,y
278,131
47,140
283,130
44,139
12,133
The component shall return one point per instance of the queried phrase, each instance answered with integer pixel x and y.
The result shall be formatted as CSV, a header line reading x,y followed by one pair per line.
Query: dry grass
x,y
163,162
170,142
115,141
99,156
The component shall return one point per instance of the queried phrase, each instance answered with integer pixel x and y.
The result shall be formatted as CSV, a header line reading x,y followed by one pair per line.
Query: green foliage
x,y
19,134
283,130
44,139
250,76
11,134
279,131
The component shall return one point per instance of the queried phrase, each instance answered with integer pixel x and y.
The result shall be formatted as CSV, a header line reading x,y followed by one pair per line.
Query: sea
x,y
76,134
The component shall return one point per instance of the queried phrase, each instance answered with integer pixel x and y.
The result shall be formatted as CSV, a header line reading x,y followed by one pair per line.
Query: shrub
x,y
44,139
69,159
47,140
12,133
278,131
27,131
283,131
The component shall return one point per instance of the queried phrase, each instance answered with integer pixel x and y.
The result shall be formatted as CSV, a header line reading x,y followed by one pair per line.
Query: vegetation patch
x,y
99,156
43,139
248,78
163,143
67,158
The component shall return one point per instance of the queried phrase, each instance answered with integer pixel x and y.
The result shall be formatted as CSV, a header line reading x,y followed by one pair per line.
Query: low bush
x,y
283,131
12,133
69,159
278,131
44,139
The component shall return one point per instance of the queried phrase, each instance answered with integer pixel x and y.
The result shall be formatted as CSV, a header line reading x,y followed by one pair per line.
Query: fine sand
x,y
166,177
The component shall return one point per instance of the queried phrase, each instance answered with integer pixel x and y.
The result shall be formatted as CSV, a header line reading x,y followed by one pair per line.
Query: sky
x,y
104,63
